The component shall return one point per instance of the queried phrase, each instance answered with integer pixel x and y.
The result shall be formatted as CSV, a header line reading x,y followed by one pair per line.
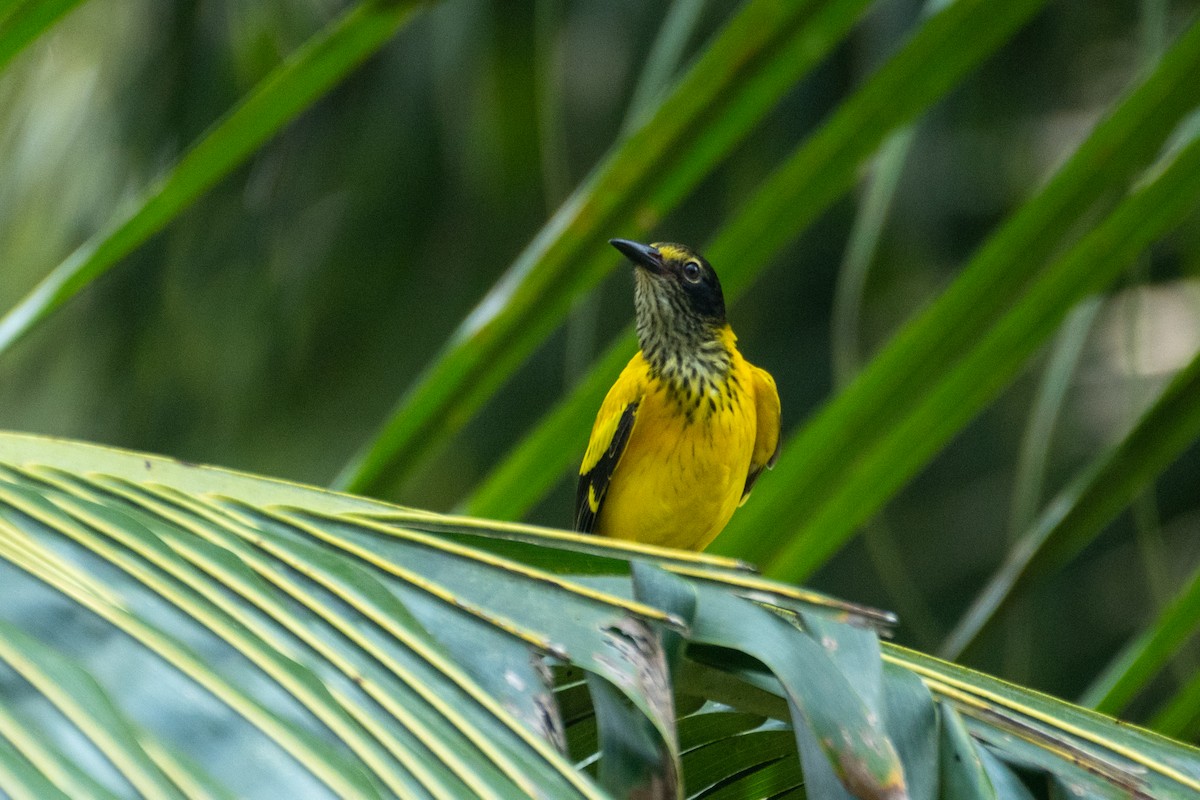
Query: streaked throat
x,y
691,355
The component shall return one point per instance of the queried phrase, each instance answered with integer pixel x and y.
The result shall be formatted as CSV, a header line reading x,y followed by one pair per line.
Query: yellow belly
x,y
679,481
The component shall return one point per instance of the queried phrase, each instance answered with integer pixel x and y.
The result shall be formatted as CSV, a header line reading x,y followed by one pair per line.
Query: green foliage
x,y
280,97
238,233
396,652
758,57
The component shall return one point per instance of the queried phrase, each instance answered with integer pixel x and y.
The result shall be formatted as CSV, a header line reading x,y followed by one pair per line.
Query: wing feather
x,y
766,437
610,435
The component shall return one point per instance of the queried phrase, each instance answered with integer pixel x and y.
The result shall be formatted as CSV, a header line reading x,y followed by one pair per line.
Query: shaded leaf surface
x,y
387,655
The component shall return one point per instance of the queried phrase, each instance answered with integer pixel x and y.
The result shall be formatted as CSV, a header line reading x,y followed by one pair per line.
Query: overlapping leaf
x,y
818,172
739,77
277,100
391,651
927,383
1079,513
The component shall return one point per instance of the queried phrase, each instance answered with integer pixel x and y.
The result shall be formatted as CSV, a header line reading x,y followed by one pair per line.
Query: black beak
x,y
642,255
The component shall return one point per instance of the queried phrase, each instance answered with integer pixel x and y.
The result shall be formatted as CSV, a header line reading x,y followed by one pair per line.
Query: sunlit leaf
x,y
1080,513
395,651
277,100
818,172
737,79
22,24
925,384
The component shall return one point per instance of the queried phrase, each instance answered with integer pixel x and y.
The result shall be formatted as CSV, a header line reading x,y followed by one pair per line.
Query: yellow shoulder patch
x,y
766,411
766,426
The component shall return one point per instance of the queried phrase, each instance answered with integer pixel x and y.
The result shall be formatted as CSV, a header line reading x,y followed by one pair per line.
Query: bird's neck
x,y
694,360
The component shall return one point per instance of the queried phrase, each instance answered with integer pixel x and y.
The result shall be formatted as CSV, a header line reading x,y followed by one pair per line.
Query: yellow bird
x,y
689,425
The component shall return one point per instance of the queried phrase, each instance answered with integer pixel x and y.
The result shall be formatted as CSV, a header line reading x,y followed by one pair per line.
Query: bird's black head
x,y
680,313
678,277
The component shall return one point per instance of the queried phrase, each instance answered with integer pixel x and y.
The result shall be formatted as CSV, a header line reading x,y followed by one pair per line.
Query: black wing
x,y
594,483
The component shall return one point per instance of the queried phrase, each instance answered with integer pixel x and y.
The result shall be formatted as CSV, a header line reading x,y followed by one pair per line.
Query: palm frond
x,y
281,96
390,651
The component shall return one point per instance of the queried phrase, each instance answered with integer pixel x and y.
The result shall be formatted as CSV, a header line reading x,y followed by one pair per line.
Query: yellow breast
x,y
684,468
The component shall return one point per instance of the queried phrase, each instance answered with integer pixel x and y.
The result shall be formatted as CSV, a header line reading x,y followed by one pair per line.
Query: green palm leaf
x,y
813,177
276,101
395,652
168,630
907,402
21,24
1080,513
758,56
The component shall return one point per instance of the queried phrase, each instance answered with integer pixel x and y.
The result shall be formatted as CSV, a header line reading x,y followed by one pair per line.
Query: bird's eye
x,y
691,271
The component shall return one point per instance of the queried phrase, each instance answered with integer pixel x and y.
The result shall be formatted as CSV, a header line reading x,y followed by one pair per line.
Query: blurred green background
x,y
273,326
